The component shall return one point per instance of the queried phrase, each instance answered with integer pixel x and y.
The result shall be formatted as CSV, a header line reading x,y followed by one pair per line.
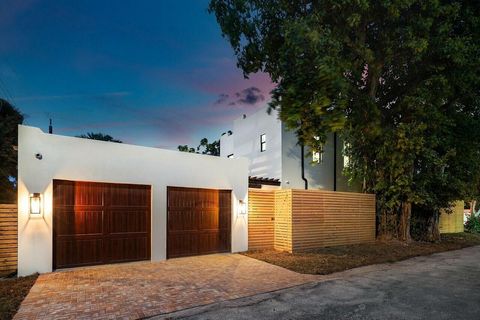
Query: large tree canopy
x,y
398,79
10,118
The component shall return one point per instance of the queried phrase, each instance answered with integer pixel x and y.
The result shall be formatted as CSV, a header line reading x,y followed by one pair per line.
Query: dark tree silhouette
x,y
10,118
98,136
204,147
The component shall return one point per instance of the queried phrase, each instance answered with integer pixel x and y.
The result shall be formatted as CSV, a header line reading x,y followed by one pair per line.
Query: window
x,y
346,159
317,155
230,156
263,142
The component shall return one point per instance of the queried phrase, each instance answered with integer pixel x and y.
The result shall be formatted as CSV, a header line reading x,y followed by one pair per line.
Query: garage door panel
x,y
225,199
208,219
79,222
182,244
224,219
182,220
225,240
207,199
79,252
181,199
93,224
89,194
124,249
72,193
128,195
64,194
210,242
198,221
127,221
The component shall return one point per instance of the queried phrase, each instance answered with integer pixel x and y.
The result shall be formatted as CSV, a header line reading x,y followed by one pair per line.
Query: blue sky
x,y
154,73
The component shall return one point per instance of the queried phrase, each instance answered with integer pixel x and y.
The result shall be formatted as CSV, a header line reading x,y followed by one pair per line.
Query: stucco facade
x,y
282,157
97,161
245,142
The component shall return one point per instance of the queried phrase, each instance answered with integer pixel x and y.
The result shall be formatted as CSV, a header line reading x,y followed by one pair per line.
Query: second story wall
x,y
319,175
246,135
226,145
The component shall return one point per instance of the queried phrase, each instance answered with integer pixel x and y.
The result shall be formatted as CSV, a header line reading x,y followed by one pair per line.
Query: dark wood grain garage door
x,y
98,223
198,221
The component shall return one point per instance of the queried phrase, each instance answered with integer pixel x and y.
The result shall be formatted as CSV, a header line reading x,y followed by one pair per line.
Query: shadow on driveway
x,y
441,286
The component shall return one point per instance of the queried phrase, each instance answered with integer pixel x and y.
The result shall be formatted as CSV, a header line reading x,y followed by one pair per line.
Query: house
x,y
86,202
276,157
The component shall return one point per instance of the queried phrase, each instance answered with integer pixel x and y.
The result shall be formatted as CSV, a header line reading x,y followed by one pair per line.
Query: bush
x,y
473,224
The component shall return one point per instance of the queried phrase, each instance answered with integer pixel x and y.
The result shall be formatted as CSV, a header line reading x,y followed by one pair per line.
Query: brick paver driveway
x,y
144,289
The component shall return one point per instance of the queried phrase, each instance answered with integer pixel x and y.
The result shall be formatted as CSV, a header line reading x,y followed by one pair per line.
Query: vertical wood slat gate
x,y
98,223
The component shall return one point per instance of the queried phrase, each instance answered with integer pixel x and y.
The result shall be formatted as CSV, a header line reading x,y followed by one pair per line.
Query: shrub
x,y
473,224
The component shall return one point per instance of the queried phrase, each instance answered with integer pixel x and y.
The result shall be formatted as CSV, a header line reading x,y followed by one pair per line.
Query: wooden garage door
x,y
198,221
98,223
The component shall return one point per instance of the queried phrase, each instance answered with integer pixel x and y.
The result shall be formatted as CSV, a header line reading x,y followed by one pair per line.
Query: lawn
x,y
334,259
12,293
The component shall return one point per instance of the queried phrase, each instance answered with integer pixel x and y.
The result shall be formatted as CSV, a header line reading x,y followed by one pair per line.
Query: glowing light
x,y
242,207
35,204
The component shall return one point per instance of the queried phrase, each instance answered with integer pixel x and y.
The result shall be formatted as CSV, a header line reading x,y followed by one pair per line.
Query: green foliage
x,y
98,136
473,224
397,79
10,118
186,148
204,147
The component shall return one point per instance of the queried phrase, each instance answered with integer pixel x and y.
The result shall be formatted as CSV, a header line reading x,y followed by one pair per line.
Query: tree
x,y
212,149
98,136
204,147
10,118
186,148
392,77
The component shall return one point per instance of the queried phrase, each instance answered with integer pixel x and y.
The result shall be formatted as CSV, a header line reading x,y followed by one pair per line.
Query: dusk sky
x,y
153,73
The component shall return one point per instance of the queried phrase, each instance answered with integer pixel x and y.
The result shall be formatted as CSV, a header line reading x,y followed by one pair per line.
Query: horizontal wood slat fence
x,y
8,238
309,219
452,222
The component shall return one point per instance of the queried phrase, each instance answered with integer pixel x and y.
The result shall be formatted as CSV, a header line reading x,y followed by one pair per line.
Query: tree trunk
x,y
383,233
404,222
433,232
388,223
473,203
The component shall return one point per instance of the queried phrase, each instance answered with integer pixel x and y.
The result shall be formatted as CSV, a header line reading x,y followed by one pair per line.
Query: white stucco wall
x,y
319,175
88,160
226,145
246,141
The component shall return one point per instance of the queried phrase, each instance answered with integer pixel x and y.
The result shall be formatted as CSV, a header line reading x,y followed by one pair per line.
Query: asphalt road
x,y
441,286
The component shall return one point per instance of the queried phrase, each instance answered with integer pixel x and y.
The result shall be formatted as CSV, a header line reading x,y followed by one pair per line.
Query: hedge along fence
x,y
309,219
452,222
8,238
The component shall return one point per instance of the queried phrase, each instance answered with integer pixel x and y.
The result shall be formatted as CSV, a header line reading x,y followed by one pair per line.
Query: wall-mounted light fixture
x,y
242,207
35,204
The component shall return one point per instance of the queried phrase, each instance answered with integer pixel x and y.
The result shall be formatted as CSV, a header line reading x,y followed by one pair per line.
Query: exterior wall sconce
x,y
35,204
242,207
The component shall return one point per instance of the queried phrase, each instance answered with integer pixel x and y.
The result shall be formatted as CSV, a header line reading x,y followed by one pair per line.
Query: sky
x,y
152,73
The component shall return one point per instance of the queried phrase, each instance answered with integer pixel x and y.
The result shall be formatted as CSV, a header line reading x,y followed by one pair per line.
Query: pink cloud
x,y
212,76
